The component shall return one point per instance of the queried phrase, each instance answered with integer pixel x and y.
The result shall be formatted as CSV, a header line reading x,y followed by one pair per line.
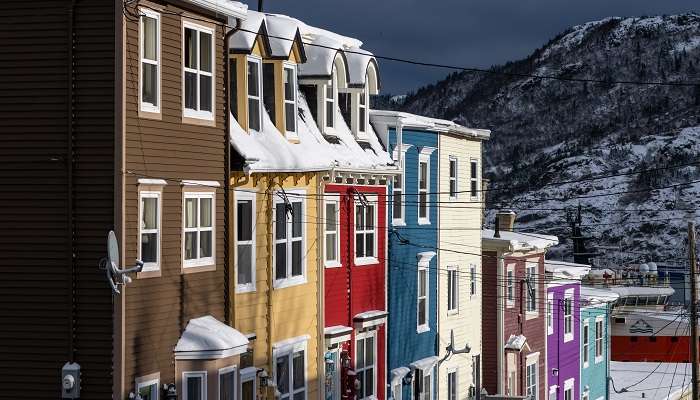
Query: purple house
x,y
563,329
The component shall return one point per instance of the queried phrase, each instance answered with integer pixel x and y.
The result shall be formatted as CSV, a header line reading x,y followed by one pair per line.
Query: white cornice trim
x,y
226,7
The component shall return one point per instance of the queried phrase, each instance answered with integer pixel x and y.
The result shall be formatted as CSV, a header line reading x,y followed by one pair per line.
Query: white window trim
x,y
550,313
453,370
144,106
201,261
586,343
243,195
258,61
226,370
149,382
429,373
423,266
366,260
332,199
599,359
287,349
191,113
535,312
399,221
568,296
289,280
510,282
324,100
359,130
291,134
471,163
247,375
151,266
201,374
533,359
424,158
473,287
365,335
455,178
453,269
569,385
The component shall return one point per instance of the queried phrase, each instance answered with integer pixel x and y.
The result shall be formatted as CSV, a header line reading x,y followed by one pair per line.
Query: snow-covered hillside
x,y
547,131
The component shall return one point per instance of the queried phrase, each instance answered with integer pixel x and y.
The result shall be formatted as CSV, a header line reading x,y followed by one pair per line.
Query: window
x,y
510,287
423,385
553,392
290,100
452,385
332,373
569,389
531,388
198,71
453,177
148,389
254,93
290,371
365,235
423,184
289,241
332,245
568,315
472,281
195,385
586,339
599,339
227,383
362,111
550,313
531,287
198,243
248,383
329,101
474,179
423,297
245,241
365,368
397,200
150,61
149,230
452,290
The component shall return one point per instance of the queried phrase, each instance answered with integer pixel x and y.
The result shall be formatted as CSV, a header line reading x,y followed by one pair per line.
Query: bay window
x,y
227,383
198,71
198,232
423,385
254,93
289,241
245,241
195,385
397,199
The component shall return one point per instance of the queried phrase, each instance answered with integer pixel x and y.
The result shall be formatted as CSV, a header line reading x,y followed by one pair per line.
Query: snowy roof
x,y
566,270
279,33
626,291
243,38
649,380
519,241
597,296
226,7
207,338
425,363
515,342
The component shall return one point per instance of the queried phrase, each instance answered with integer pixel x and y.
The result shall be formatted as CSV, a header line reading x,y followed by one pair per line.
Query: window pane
x,y
331,222
254,114
244,225
453,187
191,90
248,390
150,37
298,370
423,174
149,90
422,283
300,396
190,48
149,247
205,93
245,263
296,258
280,260
473,170
453,168
296,219
205,51
205,213
397,204
370,217
190,245
227,386
190,213
281,221
253,75
283,374
290,117
421,312
330,114
149,392
360,362
363,119
289,84
205,248
359,245
150,213
423,205
369,351
194,388
369,382
331,247
369,244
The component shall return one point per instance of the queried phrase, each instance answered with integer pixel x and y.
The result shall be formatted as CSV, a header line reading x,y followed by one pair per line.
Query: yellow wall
x,y
283,313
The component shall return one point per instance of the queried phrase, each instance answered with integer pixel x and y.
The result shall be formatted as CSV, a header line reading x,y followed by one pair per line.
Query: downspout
x,y
607,350
521,317
437,274
386,290
320,306
70,233
270,276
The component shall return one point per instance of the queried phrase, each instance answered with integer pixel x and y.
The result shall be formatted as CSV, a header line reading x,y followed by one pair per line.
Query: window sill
x,y
531,315
568,339
398,222
423,221
452,313
366,261
150,113
598,360
249,288
333,264
510,303
550,332
288,282
196,120
585,365
194,268
423,329
153,272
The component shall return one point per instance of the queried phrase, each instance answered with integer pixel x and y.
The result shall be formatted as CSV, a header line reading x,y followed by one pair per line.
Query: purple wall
x,y
561,355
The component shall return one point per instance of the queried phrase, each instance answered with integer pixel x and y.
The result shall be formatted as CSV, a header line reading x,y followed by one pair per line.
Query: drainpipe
x,y
70,232
270,274
320,306
521,317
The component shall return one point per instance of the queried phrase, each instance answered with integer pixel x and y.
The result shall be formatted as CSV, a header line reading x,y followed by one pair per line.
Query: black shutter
x,y
233,92
269,89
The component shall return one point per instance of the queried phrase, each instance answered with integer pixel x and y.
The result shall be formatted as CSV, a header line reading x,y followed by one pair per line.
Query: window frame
x,y
454,385
453,195
148,381
158,195
569,385
289,352
424,373
362,127
199,261
200,374
331,199
599,338
252,58
474,178
373,201
145,106
248,375
227,370
586,342
472,281
289,280
424,158
550,313
246,196
510,286
529,385
333,82
402,204
452,290
295,133
531,271
568,309
198,113
425,327
364,336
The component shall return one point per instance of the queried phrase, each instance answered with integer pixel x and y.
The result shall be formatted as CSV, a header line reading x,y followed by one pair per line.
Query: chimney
x,y
496,228
505,220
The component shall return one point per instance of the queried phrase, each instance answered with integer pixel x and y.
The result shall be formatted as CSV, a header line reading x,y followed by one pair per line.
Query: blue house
x,y
595,336
412,262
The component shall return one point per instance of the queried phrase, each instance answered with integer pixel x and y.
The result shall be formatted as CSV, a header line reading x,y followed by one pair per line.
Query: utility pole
x,y
693,311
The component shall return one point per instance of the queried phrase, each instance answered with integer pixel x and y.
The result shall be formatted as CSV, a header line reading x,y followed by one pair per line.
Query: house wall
x,y
171,147
406,345
38,247
460,233
563,355
278,314
594,376
491,330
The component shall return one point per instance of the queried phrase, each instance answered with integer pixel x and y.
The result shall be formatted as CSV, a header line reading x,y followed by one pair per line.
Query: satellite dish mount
x,y
110,265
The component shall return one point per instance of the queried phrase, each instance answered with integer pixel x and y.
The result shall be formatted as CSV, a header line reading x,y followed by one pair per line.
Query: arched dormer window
x,y
330,100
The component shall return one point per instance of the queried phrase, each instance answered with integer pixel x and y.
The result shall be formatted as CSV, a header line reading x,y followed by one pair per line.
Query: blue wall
x,y
405,344
595,375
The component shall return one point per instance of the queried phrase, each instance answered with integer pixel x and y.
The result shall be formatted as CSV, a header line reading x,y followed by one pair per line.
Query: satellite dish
x,y
110,264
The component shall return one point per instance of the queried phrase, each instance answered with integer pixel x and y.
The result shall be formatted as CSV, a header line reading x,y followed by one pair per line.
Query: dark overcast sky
x,y
476,33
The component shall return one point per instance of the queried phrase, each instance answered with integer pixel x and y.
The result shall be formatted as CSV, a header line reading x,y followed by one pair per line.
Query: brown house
x,y
514,325
115,121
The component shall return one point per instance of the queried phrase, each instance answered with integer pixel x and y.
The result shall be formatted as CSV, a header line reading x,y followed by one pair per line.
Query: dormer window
x,y
254,94
362,112
330,96
290,100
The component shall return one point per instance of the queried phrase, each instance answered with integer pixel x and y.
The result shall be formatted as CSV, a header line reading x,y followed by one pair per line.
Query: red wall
x,y
644,350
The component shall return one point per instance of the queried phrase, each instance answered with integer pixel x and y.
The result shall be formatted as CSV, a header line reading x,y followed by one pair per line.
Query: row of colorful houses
x,y
296,243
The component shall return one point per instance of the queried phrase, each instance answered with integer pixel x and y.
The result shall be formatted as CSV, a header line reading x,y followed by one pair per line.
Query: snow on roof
x,y
566,270
597,296
626,291
665,382
282,32
207,337
519,241
425,363
226,7
244,37
516,342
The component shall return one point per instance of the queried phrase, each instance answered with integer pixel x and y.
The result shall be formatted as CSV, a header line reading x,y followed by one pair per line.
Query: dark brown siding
x,y
35,242
158,308
489,318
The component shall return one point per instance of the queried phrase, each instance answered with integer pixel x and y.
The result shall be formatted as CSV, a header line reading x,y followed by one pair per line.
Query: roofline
x,y
228,8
